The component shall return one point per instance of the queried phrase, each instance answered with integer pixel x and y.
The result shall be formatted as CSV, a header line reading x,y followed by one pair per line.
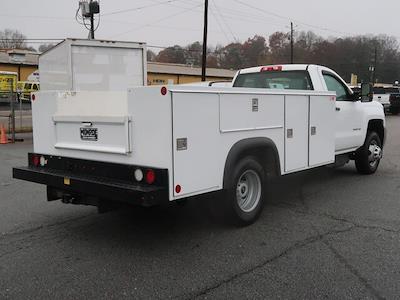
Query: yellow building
x,y
25,63
161,73
20,61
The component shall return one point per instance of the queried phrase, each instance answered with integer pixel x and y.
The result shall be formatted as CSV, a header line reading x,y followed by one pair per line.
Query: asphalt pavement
x,y
326,233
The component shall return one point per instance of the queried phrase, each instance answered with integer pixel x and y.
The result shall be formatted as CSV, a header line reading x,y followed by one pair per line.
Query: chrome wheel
x,y
248,191
374,153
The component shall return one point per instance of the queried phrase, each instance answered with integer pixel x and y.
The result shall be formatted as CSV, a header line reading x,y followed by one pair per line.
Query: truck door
x,y
322,131
349,133
296,132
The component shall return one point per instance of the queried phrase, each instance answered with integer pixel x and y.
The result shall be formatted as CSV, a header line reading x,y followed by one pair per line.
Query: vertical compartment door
x,y
296,132
322,130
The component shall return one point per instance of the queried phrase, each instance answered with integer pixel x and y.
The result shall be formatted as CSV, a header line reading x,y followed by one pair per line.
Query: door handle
x,y
337,108
289,133
313,130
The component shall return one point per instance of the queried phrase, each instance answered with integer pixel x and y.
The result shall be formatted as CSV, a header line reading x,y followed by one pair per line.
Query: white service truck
x,y
149,145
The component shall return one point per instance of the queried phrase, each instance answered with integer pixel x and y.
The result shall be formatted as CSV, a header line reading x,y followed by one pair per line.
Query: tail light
x,y
150,176
271,68
36,160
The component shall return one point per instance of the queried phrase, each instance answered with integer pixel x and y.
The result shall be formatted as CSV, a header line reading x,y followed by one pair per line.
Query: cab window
x,y
335,85
287,80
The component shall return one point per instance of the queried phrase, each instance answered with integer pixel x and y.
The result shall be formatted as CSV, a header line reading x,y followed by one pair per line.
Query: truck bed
x,y
188,131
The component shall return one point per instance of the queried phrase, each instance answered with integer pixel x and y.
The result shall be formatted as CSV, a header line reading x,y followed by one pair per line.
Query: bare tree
x,y
45,47
12,39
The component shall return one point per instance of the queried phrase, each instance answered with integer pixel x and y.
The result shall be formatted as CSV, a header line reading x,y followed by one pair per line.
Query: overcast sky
x,y
164,23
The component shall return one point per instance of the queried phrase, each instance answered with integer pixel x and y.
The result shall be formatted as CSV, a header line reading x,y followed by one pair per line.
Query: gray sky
x,y
164,23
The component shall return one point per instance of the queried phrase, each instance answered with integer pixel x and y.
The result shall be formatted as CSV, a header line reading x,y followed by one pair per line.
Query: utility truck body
x,y
148,145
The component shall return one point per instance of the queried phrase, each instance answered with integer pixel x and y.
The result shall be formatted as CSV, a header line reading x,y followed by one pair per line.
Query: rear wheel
x,y
369,155
244,200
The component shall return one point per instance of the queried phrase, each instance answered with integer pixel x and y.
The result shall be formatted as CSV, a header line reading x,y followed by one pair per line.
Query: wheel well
x,y
377,126
262,149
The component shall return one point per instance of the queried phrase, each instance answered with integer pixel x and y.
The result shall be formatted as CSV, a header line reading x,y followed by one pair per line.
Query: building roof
x,y
164,68
16,56
25,57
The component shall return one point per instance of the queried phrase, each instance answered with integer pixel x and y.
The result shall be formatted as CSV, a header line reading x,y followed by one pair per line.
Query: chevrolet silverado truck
x,y
149,145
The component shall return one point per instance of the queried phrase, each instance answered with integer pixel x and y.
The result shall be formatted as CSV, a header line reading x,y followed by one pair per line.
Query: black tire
x,y
247,186
368,157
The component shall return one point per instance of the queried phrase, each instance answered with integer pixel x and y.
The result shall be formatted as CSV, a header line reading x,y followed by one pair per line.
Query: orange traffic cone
x,y
3,136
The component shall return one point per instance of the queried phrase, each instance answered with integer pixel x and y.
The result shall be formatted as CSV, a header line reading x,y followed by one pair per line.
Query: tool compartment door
x,y
296,132
93,133
196,143
322,130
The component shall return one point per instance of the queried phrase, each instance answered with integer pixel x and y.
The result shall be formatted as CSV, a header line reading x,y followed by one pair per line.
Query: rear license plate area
x,y
89,134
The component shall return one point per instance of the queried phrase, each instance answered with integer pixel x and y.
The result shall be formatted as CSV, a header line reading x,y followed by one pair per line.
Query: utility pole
x,y
88,10
375,64
291,43
204,60
91,22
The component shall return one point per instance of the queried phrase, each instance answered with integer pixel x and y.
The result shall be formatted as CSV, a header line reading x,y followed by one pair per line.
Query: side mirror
x,y
356,96
367,92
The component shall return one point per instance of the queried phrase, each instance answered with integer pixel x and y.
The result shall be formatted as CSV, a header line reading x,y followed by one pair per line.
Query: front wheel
x,y
369,155
245,196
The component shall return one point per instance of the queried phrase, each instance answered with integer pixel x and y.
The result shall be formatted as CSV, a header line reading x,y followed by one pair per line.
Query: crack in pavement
x,y
353,270
295,246
310,212
334,251
4,236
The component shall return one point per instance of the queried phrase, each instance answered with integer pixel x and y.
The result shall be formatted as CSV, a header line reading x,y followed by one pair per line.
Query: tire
x,y
369,155
245,196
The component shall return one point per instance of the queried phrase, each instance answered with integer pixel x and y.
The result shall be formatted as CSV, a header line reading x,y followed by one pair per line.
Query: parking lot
x,y
326,233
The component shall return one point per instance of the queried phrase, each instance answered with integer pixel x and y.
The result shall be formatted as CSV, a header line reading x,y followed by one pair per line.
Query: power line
x,y
157,21
220,25
223,20
137,8
287,18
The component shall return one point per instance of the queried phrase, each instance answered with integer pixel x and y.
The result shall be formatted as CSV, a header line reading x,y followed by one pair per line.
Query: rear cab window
x,y
284,80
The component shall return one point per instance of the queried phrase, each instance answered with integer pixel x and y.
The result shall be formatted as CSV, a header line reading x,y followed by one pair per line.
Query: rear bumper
x,y
82,186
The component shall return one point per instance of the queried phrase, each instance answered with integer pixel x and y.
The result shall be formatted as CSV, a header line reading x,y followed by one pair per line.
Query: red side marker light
x,y
33,97
164,91
150,176
178,189
271,68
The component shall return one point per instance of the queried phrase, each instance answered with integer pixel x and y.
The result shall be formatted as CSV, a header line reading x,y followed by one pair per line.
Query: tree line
x,y
349,55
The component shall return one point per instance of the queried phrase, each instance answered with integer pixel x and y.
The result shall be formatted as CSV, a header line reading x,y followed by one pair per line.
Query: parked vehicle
x,y
395,103
8,86
150,145
382,95
25,88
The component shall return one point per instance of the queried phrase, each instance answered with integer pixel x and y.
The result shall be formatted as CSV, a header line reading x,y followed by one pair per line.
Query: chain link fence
x,y
15,111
